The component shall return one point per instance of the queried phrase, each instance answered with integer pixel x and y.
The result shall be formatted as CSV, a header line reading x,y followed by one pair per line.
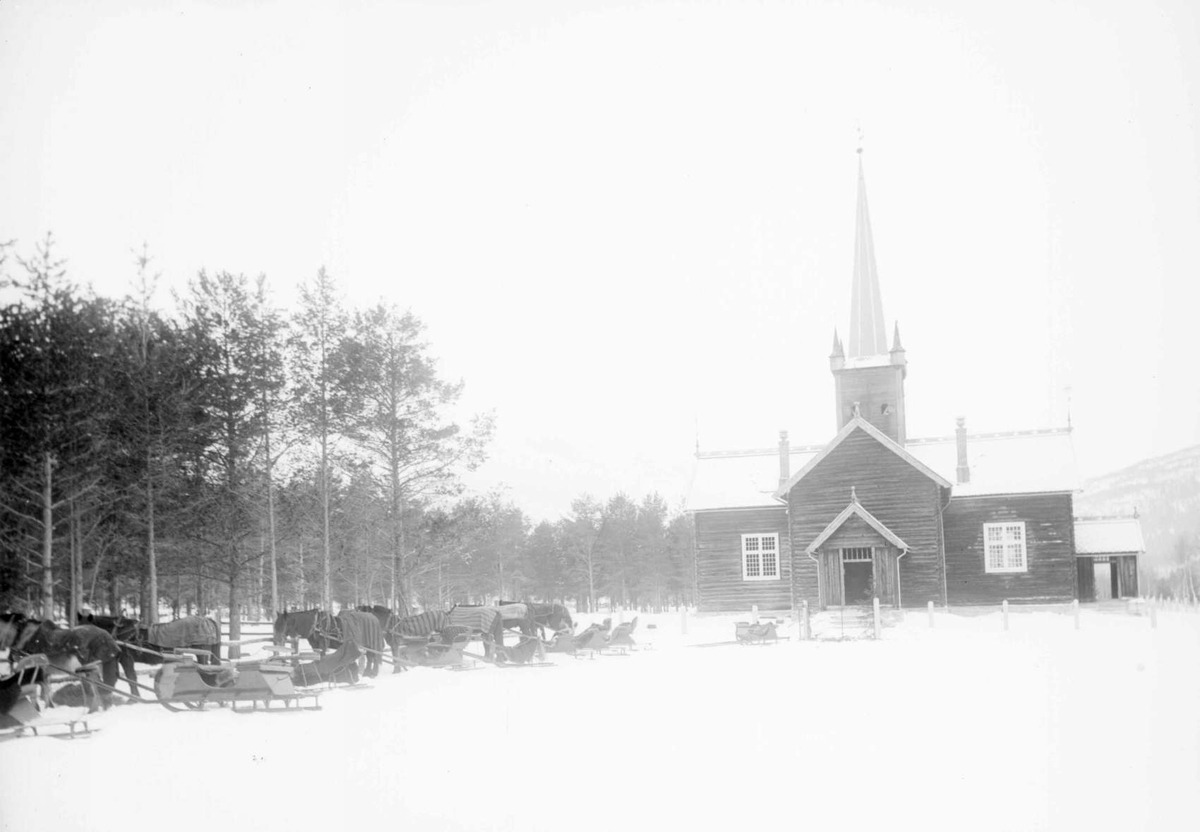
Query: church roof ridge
x,y
924,440
1004,434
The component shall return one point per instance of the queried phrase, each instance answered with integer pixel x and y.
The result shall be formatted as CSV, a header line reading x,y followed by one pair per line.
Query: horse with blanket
x,y
324,631
148,644
554,617
69,650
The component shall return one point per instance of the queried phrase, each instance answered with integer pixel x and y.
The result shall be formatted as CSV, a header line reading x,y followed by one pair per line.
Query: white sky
x,y
626,222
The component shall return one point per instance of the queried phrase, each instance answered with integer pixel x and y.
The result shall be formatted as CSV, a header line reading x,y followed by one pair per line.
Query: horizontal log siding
x,y
719,561
1049,549
898,495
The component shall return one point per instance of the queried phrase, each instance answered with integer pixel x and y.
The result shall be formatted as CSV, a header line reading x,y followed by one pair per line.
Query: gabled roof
x,y
859,423
741,479
1109,536
855,509
1015,462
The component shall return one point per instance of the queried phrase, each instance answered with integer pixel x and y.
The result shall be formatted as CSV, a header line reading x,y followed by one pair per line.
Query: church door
x,y
858,570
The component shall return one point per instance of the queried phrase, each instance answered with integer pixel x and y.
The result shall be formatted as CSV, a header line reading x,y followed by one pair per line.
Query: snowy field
x,y
964,726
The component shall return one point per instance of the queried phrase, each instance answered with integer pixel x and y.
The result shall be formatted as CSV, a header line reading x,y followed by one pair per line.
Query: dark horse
x,y
554,617
388,623
137,645
70,649
326,632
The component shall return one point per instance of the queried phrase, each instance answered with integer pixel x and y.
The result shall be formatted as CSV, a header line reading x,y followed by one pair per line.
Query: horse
x,y
387,622
556,617
70,649
485,622
363,631
147,644
423,624
306,624
326,632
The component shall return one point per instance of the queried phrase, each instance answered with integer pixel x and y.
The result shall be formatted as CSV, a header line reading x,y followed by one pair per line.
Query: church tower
x,y
867,375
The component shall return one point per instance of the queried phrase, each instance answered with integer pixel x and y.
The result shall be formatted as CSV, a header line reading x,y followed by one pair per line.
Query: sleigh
x,y
186,685
748,633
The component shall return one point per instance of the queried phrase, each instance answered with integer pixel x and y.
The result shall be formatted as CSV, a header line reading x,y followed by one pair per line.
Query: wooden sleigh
x,y
186,685
19,715
748,633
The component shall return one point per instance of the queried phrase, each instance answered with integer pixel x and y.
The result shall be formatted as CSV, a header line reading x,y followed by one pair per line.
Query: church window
x,y
1004,547
760,557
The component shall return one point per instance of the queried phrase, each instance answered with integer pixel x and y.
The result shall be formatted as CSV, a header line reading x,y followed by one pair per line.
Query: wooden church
x,y
960,519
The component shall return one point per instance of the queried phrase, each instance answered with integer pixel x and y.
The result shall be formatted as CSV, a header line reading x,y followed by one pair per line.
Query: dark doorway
x,y
859,583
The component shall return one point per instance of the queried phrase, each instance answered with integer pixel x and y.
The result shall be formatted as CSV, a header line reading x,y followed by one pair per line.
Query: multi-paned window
x,y
760,557
1004,547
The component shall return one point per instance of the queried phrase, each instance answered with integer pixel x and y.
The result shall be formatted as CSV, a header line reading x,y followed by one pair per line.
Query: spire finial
x,y
853,495
859,149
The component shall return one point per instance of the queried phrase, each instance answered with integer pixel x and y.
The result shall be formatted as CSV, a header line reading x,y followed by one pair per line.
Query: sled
x,y
621,638
186,685
747,633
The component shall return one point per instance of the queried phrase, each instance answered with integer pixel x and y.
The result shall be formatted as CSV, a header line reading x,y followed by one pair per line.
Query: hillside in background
x,y
1165,491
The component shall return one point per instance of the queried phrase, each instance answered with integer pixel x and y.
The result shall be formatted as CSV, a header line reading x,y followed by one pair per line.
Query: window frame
x,y
760,536
1008,548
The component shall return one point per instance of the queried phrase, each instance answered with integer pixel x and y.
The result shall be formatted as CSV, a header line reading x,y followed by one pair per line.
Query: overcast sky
x,y
629,226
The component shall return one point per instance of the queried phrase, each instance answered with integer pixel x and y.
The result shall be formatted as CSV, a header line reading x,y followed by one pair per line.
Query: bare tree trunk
x,y
235,617
271,529
47,537
73,548
91,594
302,589
151,558
326,586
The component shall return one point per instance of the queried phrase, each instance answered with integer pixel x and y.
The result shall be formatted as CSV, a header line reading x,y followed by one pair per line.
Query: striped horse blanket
x,y
360,629
513,612
192,631
477,619
416,626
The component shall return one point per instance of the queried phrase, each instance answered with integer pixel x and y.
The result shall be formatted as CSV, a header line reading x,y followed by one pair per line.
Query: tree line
x,y
229,453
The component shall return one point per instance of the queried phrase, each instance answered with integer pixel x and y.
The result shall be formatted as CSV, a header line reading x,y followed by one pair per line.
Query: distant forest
x,y
228,456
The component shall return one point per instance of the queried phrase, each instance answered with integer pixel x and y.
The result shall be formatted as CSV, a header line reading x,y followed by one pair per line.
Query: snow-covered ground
x,y
964,726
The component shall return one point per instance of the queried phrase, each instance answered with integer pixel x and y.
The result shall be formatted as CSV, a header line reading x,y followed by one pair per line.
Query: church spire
x,y
867,333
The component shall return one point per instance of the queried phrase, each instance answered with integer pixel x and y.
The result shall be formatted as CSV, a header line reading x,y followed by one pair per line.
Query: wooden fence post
x,y
754,613
1075,612
683,621
931,615
1004,607
1153,615
875,607
805,622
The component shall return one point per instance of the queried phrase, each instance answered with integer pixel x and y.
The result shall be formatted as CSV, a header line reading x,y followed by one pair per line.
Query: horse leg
x,y
108,675
130,671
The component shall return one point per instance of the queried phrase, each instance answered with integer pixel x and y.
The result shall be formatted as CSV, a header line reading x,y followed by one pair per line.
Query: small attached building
x,y
1107,550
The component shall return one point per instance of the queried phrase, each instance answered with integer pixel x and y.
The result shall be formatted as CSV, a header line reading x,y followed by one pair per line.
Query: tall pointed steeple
x,y
868,377
867,333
